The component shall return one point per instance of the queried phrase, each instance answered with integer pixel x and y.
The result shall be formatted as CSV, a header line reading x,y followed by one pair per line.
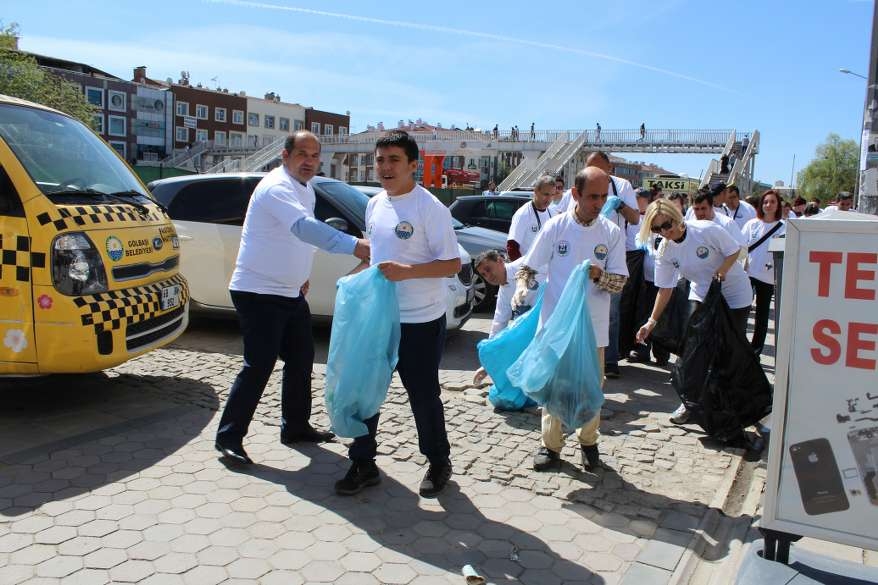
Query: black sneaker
x,y
638,357
591,457
435,479
361,474
546,458
612,370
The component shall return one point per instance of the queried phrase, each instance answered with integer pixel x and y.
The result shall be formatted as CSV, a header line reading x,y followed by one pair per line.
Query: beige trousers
x,y
588,434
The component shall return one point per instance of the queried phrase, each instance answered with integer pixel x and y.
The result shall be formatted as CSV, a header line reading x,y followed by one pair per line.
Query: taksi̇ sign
x,y
823,458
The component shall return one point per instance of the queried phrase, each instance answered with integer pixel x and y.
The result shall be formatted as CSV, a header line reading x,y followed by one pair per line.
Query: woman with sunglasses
x,y
760,264
700,251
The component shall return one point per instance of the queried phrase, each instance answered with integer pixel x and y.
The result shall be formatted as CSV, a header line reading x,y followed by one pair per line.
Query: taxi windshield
x,y
64,157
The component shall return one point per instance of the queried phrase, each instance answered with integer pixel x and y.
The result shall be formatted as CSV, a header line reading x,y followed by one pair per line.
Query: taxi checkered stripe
x,y
107,311
15,254
82,215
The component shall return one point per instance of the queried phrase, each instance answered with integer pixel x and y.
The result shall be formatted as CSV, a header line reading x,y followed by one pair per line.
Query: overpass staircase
x,y
741,157
255,162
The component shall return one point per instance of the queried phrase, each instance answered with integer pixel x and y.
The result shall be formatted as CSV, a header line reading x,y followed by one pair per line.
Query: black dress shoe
x,y
361,474
236,454
435,480
306,435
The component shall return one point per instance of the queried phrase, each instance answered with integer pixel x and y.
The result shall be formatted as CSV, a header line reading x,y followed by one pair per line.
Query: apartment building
x,y
269,118
324,123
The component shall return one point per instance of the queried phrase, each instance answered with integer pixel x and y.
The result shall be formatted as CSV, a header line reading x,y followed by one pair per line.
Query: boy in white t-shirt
x,y
413,244
564,243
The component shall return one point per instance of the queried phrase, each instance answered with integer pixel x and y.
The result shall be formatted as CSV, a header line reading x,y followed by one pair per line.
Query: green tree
x,y
22,77
834,169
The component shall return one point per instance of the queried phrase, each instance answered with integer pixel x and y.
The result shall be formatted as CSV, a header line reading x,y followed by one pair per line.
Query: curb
x,y
690,559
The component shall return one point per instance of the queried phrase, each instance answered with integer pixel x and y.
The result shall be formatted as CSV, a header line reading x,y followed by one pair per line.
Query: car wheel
x,y
483,293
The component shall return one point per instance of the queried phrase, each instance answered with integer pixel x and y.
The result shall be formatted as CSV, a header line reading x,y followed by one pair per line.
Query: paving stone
x,y
640,574
88,577
322,571
104,559
59,566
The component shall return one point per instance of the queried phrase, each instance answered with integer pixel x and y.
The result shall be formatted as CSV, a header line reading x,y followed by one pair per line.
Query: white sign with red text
x,y
823,457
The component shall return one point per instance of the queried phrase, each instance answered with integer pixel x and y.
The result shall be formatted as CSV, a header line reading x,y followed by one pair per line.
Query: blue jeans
x,y
272,326
611,355
420,350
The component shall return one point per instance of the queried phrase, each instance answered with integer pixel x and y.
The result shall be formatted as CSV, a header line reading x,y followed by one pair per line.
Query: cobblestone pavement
x,y
113,478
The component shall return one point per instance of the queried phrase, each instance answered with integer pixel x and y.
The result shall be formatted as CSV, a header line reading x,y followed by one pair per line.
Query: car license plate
x,y
170,297
470,295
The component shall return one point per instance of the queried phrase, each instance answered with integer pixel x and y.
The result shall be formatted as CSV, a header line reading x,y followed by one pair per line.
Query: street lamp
x,y
849,72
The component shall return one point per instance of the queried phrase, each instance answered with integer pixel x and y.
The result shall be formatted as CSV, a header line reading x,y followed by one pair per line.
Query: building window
x,y
116,125
201,111
327,129
238,117
236,139
182,134
182,108
200,135
219,114
315,127
116,100
219,138
284,124
298,125
342,130
269,121
253,119
98,123
119,147
95,96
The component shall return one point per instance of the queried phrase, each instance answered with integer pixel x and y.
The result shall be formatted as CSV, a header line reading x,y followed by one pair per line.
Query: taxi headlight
x,y
77,267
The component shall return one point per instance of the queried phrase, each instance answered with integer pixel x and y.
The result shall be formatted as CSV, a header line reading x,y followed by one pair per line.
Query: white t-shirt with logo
x,y
526,224
697,258
563,204
414,228
743,214
760,262
562,245
503,307
728,224
271,260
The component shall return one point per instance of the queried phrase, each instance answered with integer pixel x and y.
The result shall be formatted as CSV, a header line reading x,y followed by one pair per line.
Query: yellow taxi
x,y
89,262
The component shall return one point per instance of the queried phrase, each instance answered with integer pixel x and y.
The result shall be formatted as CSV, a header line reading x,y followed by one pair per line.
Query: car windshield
x,y
62,156
343,195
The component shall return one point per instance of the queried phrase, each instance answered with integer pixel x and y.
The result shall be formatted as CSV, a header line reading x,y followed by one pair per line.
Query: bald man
x,y
564,243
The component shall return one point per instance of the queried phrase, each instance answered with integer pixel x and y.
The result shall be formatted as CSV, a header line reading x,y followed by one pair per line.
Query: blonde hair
x,y
659,207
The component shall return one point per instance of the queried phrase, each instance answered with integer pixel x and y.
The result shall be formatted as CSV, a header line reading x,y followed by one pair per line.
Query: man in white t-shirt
x,y
268,289
492,267
492,189
414,245
719,195
529,219
703,209
626,214
568,240
739,210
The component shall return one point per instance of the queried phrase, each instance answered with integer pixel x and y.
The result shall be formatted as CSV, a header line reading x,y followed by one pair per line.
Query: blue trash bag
x,y
363,350
501,351
560,368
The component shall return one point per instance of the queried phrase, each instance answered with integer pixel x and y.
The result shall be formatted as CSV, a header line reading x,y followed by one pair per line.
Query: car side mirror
x,y
337,223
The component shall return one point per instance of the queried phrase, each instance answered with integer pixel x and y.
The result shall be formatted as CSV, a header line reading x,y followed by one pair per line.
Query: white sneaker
x,y
680,416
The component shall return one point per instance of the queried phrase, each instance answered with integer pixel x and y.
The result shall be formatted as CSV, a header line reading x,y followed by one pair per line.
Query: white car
x,y
208,213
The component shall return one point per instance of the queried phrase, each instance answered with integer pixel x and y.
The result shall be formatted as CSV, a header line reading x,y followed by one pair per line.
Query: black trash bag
x,y
632,298
718,377
670,330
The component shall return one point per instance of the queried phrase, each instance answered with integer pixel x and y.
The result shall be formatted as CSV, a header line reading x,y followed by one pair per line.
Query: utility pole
x,y
868,177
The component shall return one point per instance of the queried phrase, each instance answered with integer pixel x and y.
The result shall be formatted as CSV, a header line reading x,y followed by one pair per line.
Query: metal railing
x,y
742,169
185,156
524,174
254,162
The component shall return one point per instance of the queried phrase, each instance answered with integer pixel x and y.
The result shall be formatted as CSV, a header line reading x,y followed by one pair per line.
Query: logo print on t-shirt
x,y
532,284
676,263
563,247
702,252
404,230
534,228
600,252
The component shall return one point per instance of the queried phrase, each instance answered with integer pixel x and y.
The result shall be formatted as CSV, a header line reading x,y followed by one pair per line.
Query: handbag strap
x,y
765,236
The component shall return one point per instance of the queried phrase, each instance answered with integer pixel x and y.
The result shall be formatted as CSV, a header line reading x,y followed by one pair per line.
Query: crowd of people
x,y
627,236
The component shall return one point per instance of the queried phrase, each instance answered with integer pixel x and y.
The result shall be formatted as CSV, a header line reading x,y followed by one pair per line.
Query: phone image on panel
x,y
864,444
818,477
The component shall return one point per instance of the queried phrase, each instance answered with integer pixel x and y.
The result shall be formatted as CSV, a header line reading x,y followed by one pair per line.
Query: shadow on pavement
x,y
454,535
62,436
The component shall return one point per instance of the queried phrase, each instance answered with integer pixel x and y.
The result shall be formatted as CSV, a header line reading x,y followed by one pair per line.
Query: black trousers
x,y
764,292
420,350
272,326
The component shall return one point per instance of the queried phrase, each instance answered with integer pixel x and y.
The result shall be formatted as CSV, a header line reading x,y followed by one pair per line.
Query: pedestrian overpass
x,y
527,154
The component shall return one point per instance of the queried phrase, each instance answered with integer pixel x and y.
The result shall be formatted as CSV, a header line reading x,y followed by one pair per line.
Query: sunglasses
x,y
657,229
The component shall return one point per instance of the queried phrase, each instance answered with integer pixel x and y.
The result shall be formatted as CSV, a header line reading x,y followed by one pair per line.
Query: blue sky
x,y
753,64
